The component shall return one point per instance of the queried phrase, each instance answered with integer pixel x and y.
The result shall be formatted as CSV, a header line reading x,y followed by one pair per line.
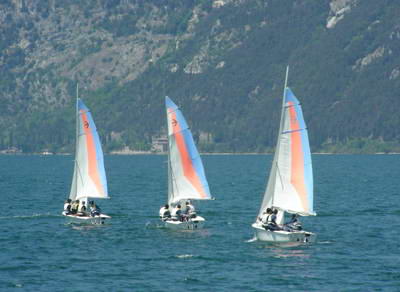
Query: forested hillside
x,y
222,61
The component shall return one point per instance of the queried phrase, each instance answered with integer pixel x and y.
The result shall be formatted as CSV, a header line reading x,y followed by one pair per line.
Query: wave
x,y
154,225
252,239
184,256
45,215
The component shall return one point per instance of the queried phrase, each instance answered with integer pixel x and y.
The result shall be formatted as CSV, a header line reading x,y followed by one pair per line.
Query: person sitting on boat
x,y
265,217
177,215
82,210
190,212
67,207
165,213
271,220
294,224
94,209
75,207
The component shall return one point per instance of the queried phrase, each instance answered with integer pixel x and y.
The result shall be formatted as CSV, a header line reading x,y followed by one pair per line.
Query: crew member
x,y
82,209
75,207
94,209
294,224
190,212
165,213
177,215
67,207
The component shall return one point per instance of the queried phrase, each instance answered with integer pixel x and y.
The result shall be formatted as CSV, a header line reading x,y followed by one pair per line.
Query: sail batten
x,y
89,178
292,131
186,178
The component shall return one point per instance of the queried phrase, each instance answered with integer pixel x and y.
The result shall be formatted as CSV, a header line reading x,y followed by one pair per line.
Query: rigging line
x,y
173,178
280,177
174,182
80,175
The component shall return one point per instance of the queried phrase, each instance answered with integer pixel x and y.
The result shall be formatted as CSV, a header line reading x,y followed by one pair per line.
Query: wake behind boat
x,y
89,178
290,183
186,177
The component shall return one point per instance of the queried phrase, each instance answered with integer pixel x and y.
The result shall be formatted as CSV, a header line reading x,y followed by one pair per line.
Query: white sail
x,y
72,194
89,179
186,177
290,184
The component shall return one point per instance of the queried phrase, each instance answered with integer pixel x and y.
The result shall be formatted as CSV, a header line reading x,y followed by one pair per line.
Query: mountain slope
x,y
222,61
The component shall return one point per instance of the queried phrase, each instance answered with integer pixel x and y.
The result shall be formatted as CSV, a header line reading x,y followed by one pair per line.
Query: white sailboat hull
x,y
283,236
192,224
100,219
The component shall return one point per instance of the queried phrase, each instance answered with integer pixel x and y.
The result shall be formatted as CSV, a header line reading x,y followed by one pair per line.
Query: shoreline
x,y
122,153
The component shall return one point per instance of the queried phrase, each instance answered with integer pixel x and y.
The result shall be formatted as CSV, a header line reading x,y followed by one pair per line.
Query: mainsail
x,y
89,180
290,184
186,177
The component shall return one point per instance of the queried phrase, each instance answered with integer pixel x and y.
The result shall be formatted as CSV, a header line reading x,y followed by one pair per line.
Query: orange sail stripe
x,y
188,169
91,150
297,177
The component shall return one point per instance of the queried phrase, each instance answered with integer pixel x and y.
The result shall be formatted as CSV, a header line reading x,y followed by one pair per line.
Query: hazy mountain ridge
x,y
222,61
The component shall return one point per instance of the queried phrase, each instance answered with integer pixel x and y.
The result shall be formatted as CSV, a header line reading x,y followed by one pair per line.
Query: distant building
x,y
159,143
11,150
218,4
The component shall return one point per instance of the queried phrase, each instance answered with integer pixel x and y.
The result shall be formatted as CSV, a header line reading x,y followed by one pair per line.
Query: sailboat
x,y
186,177
290,183
89,178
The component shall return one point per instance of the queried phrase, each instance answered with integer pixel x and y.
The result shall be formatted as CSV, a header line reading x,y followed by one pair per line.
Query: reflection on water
x,y
286,250
136,252
252,239
85,227
288,253
188,233
44,215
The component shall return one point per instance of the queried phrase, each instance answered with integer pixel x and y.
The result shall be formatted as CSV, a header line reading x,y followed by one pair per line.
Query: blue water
x,y
358,225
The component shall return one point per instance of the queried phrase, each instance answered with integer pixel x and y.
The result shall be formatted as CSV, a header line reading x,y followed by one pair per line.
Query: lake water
x,y
357,199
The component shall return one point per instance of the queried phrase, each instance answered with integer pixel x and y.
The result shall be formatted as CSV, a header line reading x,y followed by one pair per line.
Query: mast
x,y
275,162
169,168
76,137
290,185
268,199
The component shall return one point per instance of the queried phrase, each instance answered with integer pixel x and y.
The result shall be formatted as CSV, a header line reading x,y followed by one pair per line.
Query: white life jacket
x,y
66,206
162,211
265,218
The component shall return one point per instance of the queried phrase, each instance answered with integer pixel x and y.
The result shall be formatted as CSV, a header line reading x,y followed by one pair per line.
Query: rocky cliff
x,y
222,61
